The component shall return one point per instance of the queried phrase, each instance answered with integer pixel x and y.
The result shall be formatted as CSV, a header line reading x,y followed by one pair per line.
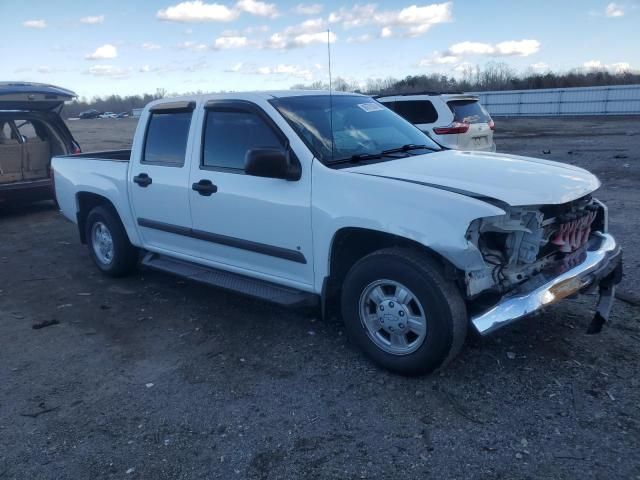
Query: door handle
x,y
143,180
205,187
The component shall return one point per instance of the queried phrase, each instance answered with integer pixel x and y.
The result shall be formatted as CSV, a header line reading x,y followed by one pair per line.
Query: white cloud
x,y
236,68
539,67
92,19
522,48
360,38
198,11
109,71
414,20
471,48
308,8
614,10
150,46
34,24
438,59
463,67
618,67
256,29
306,33
386,32
283,70
105,51
194,46
356,16
224,43
313,25
255,7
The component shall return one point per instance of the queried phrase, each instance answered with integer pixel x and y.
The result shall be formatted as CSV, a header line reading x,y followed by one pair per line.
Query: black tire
x,y
125,255
443,306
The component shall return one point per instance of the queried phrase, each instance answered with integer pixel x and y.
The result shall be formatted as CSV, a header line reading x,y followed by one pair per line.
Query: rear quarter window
x,y
468,111
166,138
415,111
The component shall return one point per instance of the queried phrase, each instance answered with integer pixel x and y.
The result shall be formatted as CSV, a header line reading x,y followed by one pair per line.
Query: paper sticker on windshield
x,y
370,107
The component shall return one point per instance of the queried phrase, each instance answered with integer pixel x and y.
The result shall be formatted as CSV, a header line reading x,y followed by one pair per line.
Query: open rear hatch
x,y
27,96
467,110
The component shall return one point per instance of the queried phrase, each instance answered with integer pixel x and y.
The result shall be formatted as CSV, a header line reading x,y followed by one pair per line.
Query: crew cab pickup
x,y
336,201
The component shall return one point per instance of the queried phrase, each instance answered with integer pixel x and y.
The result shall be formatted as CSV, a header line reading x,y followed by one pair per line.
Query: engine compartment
x,y
527,240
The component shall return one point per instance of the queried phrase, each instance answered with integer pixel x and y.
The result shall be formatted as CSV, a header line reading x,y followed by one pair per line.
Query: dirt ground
x,y
151,377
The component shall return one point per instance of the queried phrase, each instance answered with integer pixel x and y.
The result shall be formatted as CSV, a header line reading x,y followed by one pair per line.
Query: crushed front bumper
x,y
601,264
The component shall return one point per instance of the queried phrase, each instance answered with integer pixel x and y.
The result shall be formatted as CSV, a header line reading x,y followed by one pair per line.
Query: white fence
x,y
613,100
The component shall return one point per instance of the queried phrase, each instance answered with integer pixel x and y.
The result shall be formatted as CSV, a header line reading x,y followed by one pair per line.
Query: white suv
x,y
456,121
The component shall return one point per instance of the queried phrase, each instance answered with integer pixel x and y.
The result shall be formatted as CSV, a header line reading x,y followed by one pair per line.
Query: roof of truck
x,y
252,95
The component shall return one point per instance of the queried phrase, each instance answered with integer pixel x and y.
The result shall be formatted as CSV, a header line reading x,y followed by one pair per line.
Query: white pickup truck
x,y
336,201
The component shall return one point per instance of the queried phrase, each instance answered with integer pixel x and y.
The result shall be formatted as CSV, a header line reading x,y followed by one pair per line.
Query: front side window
x,y
230,134
166,139
347,126
416,111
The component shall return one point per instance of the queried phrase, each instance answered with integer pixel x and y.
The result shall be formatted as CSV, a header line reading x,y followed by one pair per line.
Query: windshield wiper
x,y
358,157
408,147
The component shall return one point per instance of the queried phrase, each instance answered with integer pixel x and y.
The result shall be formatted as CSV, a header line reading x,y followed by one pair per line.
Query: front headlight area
x,y
527,240
510,248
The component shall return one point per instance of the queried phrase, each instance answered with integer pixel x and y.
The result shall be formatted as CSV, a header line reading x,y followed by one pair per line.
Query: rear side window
x,y
28,130
166,139
468,111
229,134
415,111
6,133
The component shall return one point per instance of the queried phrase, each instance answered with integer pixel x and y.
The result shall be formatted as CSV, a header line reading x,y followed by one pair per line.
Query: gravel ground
x,y
150,377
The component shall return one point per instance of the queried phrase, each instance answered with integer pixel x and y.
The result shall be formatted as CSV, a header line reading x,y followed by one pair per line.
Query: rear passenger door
x,y
158,177
253,225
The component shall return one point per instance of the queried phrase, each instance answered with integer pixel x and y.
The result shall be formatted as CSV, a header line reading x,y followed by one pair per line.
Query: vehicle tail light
x,y
76,149
455,127
492,125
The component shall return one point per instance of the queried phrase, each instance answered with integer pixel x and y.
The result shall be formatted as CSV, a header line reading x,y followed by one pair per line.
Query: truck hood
x,y
493,177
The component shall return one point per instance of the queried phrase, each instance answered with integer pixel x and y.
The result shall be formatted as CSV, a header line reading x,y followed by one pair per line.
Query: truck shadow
x,y
12,210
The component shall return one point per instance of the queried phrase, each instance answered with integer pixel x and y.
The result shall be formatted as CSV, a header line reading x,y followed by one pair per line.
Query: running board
x,y
252,287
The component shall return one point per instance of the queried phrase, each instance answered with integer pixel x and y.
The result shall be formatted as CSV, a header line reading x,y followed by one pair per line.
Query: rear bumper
x,y
600,261
27,191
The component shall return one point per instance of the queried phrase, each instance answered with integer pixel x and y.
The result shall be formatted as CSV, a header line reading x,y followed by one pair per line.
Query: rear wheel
x,y
399,308
108,243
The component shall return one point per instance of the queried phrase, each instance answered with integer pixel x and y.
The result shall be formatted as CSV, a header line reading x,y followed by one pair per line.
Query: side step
x,y
253,287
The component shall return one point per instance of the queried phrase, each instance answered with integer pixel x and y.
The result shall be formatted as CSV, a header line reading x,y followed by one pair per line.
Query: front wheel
x,y
401,310
108,243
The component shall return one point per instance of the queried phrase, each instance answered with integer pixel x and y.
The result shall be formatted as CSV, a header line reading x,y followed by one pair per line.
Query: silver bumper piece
x,y
547,288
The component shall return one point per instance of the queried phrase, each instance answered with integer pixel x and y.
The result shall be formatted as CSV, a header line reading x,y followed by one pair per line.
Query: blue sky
x,y
130,47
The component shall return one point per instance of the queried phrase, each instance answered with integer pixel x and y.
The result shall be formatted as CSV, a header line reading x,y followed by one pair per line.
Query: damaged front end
x,y
536,255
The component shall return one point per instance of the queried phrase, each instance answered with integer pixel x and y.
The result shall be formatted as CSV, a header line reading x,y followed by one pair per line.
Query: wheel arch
x,y
350,244
87,201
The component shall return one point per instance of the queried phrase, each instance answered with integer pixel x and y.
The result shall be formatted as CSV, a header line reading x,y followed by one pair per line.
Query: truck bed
x,y
112,155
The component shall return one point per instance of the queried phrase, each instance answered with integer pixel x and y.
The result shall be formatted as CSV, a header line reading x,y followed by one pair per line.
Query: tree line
x,y
493,76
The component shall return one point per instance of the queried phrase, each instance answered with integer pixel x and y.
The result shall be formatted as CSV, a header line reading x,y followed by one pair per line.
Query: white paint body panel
x,y
307,214
510,178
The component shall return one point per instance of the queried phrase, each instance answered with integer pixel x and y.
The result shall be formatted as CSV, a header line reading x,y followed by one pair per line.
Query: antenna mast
x,y
330,90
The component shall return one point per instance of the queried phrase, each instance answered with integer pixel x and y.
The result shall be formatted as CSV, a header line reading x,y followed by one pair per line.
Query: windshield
x,y
361,126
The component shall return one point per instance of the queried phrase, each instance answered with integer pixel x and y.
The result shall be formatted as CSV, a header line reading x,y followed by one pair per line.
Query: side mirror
x,y
271,163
